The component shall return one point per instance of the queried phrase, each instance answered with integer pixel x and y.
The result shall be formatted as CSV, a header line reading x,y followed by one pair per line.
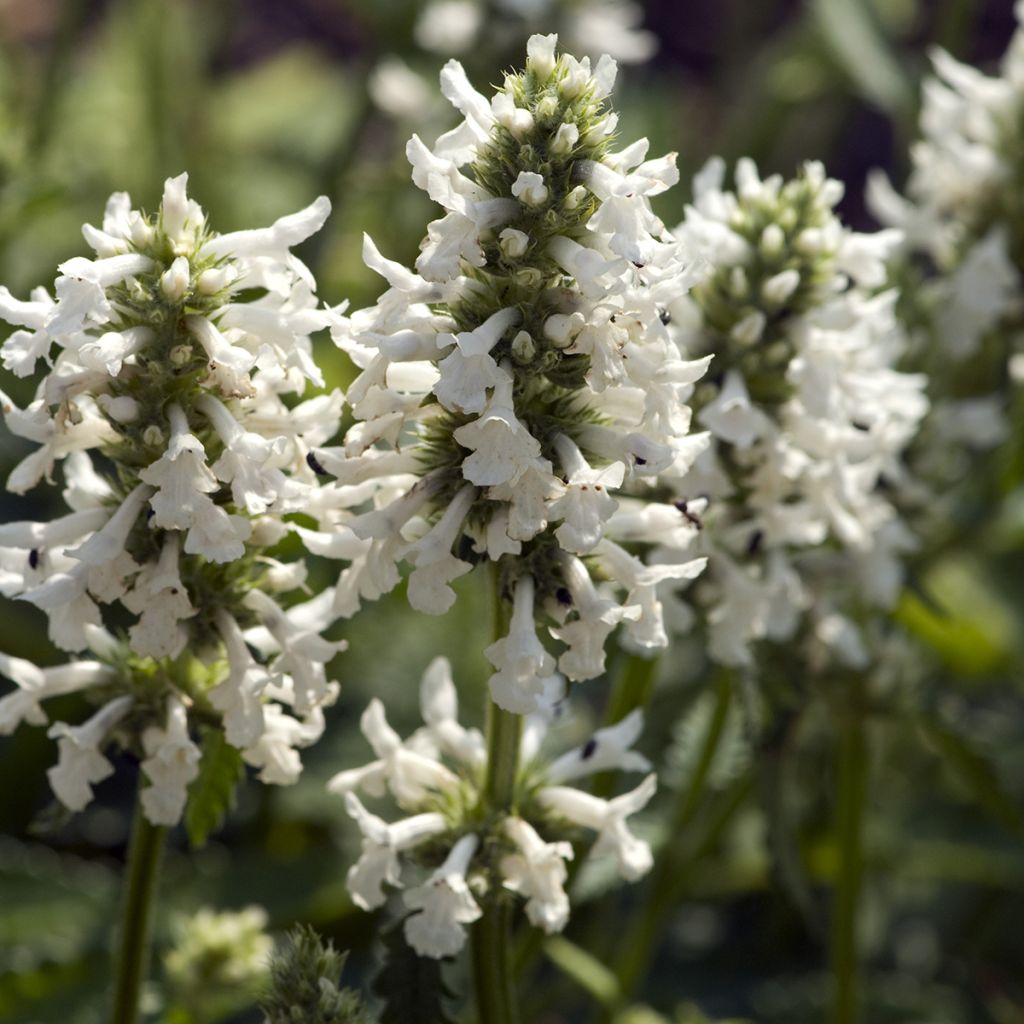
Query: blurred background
x,y
268,104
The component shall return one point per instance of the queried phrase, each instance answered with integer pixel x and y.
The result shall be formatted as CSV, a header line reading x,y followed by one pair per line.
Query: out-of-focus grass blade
x,y
976,773
586,970
860,46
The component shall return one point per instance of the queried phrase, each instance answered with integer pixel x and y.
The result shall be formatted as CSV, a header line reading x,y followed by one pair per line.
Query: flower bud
x,y
560,329
513,243
122,409
153,436
174,281
529,189
523,348
565,139
180,355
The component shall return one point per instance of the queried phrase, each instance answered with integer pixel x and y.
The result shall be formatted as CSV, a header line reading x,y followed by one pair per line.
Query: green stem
x,y
492,953
851,798
143,868
642,935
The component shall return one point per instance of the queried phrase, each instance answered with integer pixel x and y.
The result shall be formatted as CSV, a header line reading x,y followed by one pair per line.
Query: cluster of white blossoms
x,y
961,265
520,377
807,414
472,854
165,406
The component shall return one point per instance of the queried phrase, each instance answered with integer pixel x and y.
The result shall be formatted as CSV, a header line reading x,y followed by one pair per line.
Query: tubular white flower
x,y
596,616
382,843
439,705
538,872
607,749
303,653
442,905
238,697
81,764
274,753
435,565
408,774
35,684
523,665
184,482
608,819
171,763
161,601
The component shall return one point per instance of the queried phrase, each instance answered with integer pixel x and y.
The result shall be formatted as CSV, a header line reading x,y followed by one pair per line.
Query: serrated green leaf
x,y
212,794
411,986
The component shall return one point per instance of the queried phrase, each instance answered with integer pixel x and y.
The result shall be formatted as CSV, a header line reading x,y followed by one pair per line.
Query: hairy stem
x,y
143,868
851,798
492,953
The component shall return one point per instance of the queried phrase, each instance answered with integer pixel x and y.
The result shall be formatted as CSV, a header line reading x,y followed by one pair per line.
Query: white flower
x,y
161,601
469,370
586,503
443,904
732,416
408,774
538,872
503,449
82,764
274,752
239,696
440,709
302,652
184,482
596,617
171,763
607,749
435,565
523,666
35,684
608,819
382,843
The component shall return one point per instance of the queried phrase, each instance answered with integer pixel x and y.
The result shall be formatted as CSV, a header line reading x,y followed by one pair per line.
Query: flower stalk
x,y
851,800
145,853
492,950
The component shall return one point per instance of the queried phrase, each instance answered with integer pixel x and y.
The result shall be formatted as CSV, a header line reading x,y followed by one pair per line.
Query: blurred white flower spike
x,y
165,406
961,270
522,378
808,413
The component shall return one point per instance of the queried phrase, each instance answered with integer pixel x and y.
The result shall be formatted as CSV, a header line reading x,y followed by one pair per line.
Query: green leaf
x,y
411,986
212,794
